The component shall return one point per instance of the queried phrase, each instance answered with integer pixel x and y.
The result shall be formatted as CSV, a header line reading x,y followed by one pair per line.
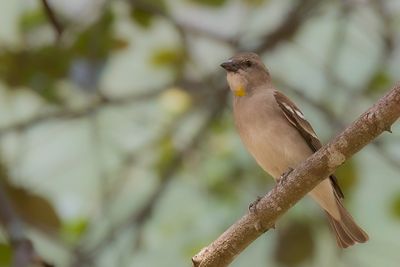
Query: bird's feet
x,y
253,205
284,175
253,209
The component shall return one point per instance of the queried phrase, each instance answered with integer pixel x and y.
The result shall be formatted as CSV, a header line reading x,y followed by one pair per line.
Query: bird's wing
x,y
296,118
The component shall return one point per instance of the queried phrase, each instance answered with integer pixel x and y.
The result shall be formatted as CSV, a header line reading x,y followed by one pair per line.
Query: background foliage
x,y
117,145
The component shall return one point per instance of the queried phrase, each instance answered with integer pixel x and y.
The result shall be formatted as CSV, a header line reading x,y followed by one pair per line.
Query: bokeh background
x,y
117,145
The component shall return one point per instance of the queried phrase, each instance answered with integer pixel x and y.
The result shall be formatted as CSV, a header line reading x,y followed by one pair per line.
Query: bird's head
x,y
245,73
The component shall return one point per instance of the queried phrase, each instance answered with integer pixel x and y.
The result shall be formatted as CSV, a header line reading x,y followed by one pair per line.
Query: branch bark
x,y
299,182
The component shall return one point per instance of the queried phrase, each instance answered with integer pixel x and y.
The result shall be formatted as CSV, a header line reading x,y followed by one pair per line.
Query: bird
x,y
277,135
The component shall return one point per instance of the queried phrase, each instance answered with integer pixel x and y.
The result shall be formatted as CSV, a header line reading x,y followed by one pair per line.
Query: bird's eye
x,y
248,63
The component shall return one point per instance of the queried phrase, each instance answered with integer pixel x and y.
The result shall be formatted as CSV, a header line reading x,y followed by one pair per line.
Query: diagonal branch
x,y
58,27
299,182
292,24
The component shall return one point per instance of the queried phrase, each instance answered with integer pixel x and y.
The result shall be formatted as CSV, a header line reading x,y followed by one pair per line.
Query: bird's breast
x,y
274,143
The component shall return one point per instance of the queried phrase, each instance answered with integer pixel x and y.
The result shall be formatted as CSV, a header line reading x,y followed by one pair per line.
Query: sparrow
x,y
277,135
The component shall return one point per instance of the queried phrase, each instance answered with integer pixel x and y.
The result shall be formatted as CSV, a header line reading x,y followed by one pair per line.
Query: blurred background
x,y
117,145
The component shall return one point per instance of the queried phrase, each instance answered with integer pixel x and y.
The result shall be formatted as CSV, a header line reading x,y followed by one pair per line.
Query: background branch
x,y
303,179
53,19
294,21
92,107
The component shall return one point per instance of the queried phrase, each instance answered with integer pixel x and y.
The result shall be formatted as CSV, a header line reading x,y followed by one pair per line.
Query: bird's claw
x,y
253,205
285,175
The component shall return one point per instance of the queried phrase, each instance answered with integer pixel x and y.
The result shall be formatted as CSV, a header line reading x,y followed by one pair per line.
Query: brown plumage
x,y
278,136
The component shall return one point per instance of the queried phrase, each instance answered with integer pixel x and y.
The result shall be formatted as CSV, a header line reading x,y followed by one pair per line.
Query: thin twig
x,y
58,27
93,106
293,22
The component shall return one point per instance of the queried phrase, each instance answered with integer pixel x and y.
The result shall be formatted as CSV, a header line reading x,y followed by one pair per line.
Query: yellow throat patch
x,y
240,91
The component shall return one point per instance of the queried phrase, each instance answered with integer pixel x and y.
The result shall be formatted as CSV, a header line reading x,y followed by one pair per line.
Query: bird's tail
x,y
346,229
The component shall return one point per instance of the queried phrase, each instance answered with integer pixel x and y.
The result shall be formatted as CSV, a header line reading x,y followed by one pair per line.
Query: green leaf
x,y
73,230
171,58
41,68
347,175
37,68
153,6
5,255
254,3
223,125
167,153
223,188
395,207
295,244
168,56
142,17
379,82
144,11
211,3
32,19
97,41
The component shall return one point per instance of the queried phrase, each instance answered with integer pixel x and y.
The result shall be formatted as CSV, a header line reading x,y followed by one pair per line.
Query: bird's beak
x,y
230,65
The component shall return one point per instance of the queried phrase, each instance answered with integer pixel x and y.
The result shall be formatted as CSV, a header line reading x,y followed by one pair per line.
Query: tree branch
x,y
58,27
290,26
299,182
74,113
